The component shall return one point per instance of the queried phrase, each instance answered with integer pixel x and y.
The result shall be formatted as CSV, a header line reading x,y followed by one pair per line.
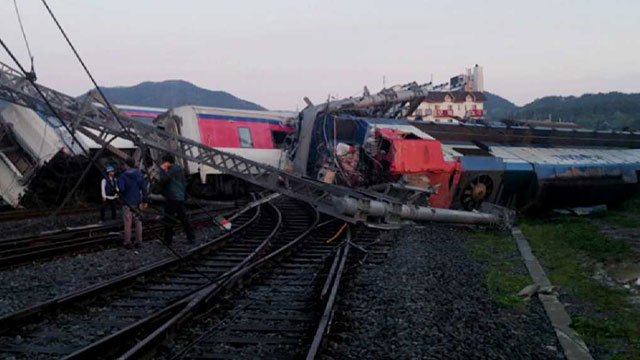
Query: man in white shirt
x,y
109,187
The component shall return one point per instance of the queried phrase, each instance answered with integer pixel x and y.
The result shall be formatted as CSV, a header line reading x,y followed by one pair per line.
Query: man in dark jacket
x,y
174,188
133,193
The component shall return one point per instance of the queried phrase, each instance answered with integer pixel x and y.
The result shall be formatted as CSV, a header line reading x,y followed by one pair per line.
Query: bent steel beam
x,y
327,198
386,97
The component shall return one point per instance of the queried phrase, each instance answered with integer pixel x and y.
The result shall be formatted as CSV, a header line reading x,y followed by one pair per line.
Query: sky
x,y
276,52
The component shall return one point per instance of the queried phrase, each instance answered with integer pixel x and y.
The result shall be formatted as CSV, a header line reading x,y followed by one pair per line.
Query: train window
x,y
278,138
245,137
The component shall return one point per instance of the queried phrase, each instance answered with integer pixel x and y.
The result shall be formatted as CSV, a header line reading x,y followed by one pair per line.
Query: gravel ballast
x,y
43,280
427,300
35,226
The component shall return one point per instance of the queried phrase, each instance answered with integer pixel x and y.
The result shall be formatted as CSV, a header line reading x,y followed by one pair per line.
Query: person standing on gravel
x,y
133,191
109,189
174,188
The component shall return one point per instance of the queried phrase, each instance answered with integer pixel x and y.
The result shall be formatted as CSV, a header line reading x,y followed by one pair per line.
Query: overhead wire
x,y
116,114
24,36
32,72
111,108
83,148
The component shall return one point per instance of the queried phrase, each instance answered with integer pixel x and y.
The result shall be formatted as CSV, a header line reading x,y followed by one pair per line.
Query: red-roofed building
x,y
451,106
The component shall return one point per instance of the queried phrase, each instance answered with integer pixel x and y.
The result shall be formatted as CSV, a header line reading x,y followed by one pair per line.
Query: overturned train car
x,y
459,171
448,166
40,161
528,168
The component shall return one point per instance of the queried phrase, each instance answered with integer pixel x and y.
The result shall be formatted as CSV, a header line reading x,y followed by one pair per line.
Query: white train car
x,y
256,135
28,141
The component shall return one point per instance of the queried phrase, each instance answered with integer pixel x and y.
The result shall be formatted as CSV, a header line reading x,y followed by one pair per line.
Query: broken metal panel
x,y
10,185
361,151
326,198
32,132
379,105
28,142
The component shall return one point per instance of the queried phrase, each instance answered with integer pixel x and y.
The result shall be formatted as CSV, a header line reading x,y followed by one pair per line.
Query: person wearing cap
x,y
133,192
109,188
174,188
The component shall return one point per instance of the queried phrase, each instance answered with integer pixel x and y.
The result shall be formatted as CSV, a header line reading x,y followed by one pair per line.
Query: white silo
x,y
478,78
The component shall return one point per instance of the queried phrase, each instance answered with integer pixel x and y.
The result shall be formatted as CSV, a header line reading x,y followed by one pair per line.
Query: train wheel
x,y
476,191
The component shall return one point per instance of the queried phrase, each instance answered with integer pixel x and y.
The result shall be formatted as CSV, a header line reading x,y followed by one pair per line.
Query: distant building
x,y
451,106
461,99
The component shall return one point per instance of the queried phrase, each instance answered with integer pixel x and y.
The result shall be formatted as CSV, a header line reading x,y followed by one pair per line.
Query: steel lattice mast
x,y
344,203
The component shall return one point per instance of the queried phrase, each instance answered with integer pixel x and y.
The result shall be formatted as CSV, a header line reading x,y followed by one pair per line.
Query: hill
x,y
603,110
614,109
498,107
172,93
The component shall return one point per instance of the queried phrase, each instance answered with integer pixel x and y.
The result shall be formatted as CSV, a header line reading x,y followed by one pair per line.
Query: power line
x,y
86,70
93,162
24,36
110,106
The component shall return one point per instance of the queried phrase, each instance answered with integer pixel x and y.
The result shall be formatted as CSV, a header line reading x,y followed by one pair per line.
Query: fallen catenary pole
x,y
350,206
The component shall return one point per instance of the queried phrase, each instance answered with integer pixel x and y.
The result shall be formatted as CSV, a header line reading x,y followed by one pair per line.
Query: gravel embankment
x,y
427,300
29,227
40,281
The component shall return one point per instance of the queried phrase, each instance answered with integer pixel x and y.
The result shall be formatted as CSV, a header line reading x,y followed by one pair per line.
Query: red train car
x,y
256,135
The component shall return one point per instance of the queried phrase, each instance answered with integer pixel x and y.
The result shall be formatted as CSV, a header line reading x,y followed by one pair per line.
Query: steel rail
x,y
35,312
103,348
108,344
21,214
156,325
203,299
292,280
43,246
333,281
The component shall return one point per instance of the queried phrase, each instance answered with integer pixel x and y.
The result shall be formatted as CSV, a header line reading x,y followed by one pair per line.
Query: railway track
x,y
92,322
45,245
21,214
282,315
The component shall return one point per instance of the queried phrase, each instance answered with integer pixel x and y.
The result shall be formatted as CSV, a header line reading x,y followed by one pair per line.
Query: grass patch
x,y
566,236
568,248
498,252
627,215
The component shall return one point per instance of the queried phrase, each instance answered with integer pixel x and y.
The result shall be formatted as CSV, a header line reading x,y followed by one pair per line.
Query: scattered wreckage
x,y
98,120
397,169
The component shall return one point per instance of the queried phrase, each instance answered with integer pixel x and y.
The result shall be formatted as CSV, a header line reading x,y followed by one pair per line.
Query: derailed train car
x,y
381,154
40,161
27,143
256,135
454,166
536,168
533,167
564,177
464,174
